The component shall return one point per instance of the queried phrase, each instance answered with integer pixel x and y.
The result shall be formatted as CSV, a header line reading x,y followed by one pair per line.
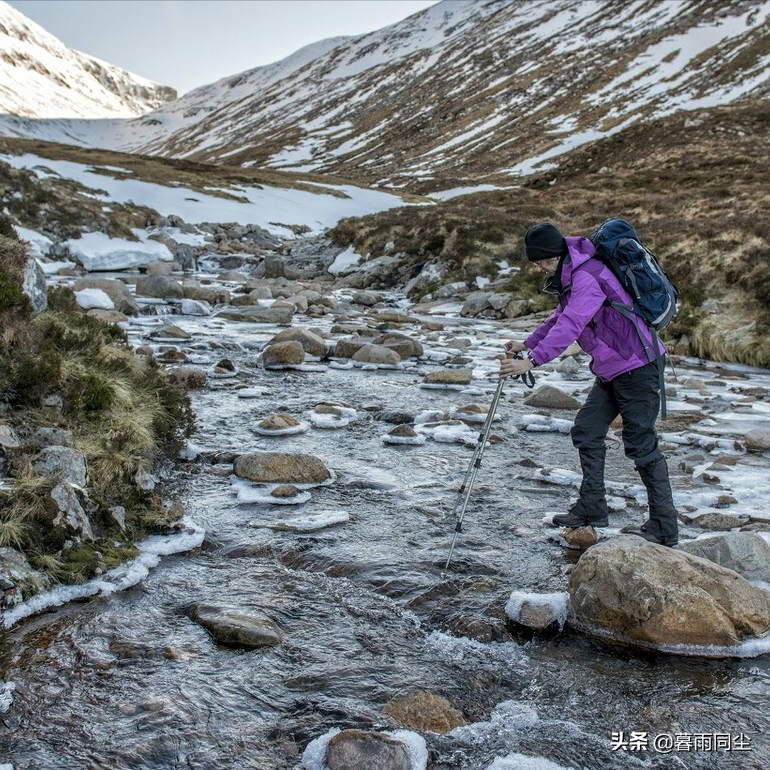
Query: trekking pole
x,y
478,452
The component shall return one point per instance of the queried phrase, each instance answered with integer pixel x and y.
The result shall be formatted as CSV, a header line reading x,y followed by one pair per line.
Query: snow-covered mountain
x,y
467,91
40,77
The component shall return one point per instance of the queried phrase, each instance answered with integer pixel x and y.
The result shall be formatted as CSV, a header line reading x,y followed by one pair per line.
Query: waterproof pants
x,y
635,396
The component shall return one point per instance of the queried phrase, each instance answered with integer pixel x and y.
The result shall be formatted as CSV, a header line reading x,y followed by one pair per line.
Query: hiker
x,y
626,382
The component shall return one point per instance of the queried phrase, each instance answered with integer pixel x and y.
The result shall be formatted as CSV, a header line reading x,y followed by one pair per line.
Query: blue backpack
x,y
653,293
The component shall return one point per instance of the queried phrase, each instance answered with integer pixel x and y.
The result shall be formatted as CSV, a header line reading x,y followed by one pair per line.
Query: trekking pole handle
x,y
527,378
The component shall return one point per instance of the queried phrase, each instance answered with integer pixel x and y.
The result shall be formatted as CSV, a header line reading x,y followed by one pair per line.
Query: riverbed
x,y
367,610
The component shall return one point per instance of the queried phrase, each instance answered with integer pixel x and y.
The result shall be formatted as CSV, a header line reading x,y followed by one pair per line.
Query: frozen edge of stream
x,y
118,579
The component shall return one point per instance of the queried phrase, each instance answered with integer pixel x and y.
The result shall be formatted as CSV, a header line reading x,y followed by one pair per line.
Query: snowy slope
x,y
467,90
317,207
41,78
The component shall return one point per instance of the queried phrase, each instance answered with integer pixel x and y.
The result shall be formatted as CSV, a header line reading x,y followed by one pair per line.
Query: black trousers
x,y
635,396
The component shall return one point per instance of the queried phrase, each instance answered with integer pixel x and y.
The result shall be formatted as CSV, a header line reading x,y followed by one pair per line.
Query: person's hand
x,y
514,346
514,367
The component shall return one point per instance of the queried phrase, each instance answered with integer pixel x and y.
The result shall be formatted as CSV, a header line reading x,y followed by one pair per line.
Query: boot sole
x,y
600,523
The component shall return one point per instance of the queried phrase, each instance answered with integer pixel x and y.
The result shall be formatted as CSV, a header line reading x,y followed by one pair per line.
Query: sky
x,y
189,43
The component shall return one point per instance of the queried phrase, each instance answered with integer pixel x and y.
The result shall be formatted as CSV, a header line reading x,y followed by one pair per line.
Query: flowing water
x,y
367,610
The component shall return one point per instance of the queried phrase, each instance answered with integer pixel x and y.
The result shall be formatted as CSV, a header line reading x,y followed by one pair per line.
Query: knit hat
x,y
544,241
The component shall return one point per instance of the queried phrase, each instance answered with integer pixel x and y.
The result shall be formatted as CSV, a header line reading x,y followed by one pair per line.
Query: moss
x,y
87,560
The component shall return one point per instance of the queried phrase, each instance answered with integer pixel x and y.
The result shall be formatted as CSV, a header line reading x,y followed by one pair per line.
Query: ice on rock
x,y
430,416
94,298
448,432
516,761
538,423
472,413
220,374
333,417
556,603
252,392
280,425
308,522
417,440
416,749
249,493
190,451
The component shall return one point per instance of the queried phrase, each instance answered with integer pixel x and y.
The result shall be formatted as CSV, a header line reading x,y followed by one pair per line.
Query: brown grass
x,y
698,195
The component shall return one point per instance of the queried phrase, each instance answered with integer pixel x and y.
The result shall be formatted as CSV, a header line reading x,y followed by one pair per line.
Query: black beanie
x,y
544,241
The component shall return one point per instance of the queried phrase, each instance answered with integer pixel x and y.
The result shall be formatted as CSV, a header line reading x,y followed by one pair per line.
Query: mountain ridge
x,y
40,77
462,92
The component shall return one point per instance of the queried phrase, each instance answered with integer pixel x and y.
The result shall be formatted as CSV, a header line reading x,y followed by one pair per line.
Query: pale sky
x,y
189,43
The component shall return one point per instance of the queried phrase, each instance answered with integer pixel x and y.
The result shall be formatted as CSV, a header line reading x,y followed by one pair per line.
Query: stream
x,y
366,608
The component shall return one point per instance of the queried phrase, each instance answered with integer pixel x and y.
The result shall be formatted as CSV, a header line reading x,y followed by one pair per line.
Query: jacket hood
x,y
580,250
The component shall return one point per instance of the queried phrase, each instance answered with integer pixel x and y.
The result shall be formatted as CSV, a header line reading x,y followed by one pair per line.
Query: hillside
x,y
461,93
64,190
40,77
695,185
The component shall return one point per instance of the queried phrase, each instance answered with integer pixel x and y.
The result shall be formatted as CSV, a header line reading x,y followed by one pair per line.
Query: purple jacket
x,y
601,331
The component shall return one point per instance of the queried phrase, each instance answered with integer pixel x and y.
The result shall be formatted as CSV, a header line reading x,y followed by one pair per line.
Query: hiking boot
x,y
662,527
591,507
578,516
669,542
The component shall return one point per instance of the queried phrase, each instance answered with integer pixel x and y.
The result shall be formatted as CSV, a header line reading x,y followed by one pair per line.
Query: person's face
x,y
548,266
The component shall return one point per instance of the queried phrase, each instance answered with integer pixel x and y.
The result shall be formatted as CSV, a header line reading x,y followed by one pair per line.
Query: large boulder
x,y
403,345
475,303
633,591
236,627
260,315
347,347
278,467
395,317
214,295
746,553
311,342
757,440
548,397
376,354
283,354
190,377
8,437
159,286
356,750
117,291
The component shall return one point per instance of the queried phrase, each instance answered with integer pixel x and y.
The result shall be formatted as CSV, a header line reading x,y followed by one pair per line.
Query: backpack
x,y
653,293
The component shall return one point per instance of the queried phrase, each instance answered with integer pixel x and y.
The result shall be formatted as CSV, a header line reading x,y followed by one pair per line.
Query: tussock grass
x,y
124,412
695,185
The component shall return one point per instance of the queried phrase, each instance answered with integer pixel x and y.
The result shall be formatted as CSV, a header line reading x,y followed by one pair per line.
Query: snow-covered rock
x,y
99,252
94,298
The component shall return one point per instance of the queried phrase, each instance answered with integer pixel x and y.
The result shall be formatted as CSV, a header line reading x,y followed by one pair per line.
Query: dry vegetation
x,y
697,187
122,410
